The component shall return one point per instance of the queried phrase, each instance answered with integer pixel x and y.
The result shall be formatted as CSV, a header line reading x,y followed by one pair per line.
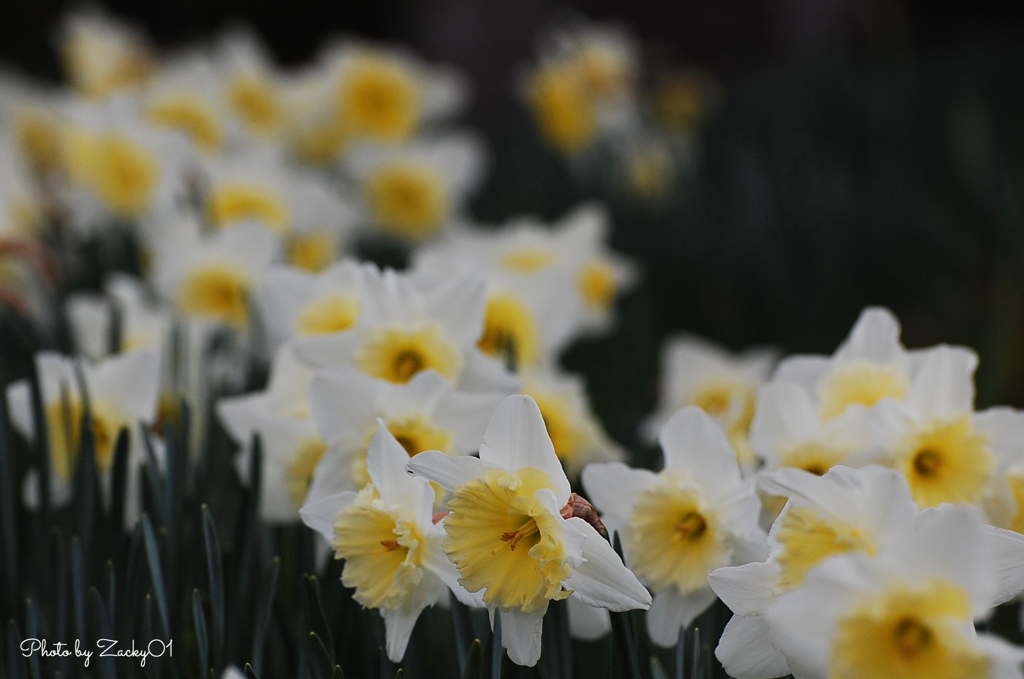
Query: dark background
x,y
866,152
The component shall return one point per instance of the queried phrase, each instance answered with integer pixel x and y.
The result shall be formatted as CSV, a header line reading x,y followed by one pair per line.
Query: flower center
x,y
407,200
190,115
505,542
125,174
597,284
675,540
946,460
328,314
312,252
908,632
808,537
860,383
232,201
253,100
218,291
379,99
509,330
563,107
397,354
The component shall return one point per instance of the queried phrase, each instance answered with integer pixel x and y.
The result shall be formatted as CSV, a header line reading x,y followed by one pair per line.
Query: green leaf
x,y
474,661
152,474
319,660
8,506
119,489
156,573
78,585
337,674
106,631
623,635
497,650
202,638
32,632
250,672
317,617
657,671
15,661
695,663
215,575
264,613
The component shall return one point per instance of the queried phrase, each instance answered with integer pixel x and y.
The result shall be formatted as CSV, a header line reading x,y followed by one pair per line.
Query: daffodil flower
x,y
386,94
947,451
413,191
845,511
388,539
291,446
425,413
681,524
523,262
122,393
508,537
696,372
307,306
871,364
210,278
405,328
103,55
907,615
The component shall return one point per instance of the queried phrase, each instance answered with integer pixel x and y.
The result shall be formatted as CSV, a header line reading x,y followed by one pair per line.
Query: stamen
x,y
911,637
513,537
407,364
928,462
691,526
386,546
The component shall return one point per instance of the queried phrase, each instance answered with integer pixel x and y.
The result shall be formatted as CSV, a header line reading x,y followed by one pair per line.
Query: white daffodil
x,y
260,187
404,329
846,510
251,86
120,167
697,372
103,55
388,539
788,431
545,286
413,191
425,413
184,94
575,432
291,446
305,306
314,134
508,536
947,451
387,94
871,364
122,393
211,277
30,122
906,615
679,525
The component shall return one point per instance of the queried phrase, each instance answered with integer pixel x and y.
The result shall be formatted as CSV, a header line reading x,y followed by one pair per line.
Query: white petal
x,y
587,622
1004,427
447,471
829,492
466,415
602,580
521,635
320,513
950,541
746,650
517,437
805,371
398,626
19,408
344,404
672,612
745,589
944,384
613,487
875,337
385,462
483,374
692,441
435,560
785,416
1007,549
131,381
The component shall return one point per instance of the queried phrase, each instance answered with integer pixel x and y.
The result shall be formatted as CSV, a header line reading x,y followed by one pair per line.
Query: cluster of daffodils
x,y
179,223
185,222
892,508
593,99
